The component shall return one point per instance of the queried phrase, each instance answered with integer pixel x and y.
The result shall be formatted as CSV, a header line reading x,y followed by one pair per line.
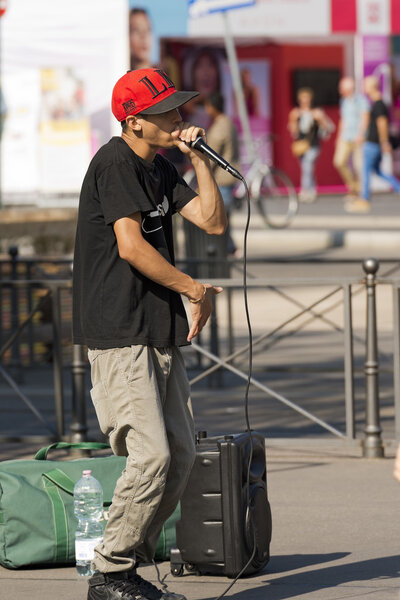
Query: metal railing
x,y
346,287
53,293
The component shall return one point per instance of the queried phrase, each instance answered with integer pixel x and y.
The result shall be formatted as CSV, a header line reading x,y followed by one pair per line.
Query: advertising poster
x,y
200,67
58,68
373,17
255,77
150,20
20,142
206,70
376,54
64,131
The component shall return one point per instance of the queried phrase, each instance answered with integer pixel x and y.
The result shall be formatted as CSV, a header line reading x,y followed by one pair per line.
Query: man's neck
x,y
140,147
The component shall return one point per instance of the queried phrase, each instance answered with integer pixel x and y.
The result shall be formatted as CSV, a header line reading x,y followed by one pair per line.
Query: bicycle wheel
x,y
276,198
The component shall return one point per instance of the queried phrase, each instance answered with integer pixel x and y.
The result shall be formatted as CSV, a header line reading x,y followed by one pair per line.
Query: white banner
x,y
373,17
269,18
59,63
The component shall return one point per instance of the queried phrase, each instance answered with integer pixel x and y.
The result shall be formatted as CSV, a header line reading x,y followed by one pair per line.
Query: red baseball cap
x,y
147,91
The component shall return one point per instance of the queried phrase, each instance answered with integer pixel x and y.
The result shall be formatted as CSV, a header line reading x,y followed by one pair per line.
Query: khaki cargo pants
x,y
351,175
142,401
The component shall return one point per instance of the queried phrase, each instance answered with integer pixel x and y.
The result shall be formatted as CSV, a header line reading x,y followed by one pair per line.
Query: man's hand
x,y
202,310
186,133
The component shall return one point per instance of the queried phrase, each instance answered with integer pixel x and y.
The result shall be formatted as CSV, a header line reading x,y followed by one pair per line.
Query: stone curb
x,y
312,240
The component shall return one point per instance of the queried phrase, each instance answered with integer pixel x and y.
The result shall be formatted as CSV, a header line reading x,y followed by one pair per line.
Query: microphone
x,y
200,145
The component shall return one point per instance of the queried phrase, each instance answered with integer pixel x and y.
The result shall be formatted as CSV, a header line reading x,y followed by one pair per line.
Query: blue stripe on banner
x,y
199,8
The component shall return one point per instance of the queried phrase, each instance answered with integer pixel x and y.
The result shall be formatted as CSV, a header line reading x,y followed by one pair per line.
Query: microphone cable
x,y
246,402
246,395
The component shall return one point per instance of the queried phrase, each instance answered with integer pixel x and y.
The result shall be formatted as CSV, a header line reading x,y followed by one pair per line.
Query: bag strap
x,y
43,452
59,520
60,479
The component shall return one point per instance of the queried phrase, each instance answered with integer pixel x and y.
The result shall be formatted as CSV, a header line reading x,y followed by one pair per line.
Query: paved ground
x,y
336,531
336,525
325,226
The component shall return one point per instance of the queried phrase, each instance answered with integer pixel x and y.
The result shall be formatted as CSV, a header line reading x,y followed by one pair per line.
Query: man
x,y
222,137
352,125
128,311
376,143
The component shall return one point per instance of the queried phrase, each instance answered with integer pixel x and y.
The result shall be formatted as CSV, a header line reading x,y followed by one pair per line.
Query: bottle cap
x,y
87,472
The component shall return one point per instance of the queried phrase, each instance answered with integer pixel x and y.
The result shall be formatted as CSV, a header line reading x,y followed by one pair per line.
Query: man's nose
x,y
178,116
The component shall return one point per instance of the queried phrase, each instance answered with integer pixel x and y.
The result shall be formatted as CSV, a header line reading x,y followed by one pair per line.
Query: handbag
x,y
300,147
37,521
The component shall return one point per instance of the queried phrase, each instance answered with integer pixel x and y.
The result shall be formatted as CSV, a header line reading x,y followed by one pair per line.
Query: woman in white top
x,y
310,124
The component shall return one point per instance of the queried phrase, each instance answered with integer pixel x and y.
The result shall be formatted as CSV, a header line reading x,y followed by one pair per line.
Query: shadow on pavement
x,y
292,585
294,466
283,563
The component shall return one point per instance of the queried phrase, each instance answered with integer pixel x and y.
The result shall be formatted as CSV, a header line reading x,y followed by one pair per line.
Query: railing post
x,y
231,343
1,305
215,378
29,293
78,422
396,357
372,443
348,362
57,361
15,356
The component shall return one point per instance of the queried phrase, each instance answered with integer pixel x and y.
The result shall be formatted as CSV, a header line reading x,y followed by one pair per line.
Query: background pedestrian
x,y
354,109
308,125
222,136
375,145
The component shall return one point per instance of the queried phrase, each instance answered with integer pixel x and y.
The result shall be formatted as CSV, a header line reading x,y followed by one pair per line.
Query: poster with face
x,y
206,70
149,20
140,39
202,69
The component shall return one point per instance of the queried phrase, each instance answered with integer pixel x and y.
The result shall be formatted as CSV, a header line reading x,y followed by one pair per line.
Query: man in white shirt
x,y
353,121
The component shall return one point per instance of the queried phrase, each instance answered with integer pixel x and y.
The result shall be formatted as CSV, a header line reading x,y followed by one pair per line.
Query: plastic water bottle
x,y
88,509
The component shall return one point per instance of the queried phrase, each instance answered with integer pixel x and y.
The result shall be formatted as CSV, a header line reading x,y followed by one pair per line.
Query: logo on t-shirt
x,y
149,226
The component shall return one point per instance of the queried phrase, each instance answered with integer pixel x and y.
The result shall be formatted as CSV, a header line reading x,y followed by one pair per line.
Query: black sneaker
x,y
115,586
151,592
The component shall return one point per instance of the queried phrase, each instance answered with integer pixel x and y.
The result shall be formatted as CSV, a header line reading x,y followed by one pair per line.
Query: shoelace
x,y
128,587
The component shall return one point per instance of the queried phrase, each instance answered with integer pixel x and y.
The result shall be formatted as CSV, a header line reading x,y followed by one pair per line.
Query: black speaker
x,y
221,523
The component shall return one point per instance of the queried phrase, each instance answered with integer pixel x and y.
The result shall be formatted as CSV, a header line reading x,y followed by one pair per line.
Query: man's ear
x,y
133,123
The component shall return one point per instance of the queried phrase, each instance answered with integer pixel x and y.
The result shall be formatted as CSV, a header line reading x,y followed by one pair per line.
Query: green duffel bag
x,y
37,521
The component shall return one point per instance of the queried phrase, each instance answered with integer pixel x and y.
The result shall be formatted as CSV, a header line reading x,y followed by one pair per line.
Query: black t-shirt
x,y
378,109
114,305
311,135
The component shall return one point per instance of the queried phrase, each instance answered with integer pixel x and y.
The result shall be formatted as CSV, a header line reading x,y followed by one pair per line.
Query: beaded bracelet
x,y
200,300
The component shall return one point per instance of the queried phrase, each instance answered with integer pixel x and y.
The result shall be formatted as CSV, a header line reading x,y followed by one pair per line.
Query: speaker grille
x,y
258,527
